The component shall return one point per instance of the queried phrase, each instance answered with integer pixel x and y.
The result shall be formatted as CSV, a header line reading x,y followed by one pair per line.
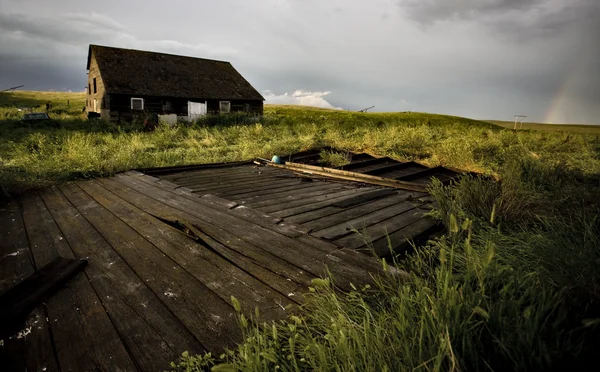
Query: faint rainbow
x,y
560,97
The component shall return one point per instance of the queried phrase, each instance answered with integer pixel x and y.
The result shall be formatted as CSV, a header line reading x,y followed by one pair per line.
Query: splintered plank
x,y
30,348
17,302
151,333
345,227
196,259
380,230
290,250
211,319
85,338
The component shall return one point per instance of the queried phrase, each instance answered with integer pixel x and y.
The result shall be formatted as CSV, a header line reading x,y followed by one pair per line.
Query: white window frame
x,y
141,99
228,107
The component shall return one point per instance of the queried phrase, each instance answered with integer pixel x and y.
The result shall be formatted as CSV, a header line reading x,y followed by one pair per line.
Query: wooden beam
x,y
18,301
351,176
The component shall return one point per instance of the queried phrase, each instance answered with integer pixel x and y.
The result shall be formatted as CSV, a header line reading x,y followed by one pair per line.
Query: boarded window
x,y
224,107
95,90
137,103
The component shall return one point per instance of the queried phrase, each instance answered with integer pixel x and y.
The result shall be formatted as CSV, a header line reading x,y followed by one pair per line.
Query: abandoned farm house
x,y
124,84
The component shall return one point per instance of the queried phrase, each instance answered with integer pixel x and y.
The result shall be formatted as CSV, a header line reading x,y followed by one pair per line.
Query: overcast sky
x,y
485,59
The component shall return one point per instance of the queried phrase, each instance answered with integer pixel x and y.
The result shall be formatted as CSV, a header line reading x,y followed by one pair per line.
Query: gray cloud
x,y
483,59
429,11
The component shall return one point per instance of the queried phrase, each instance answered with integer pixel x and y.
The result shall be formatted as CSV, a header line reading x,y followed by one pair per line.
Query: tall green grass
x,y
32,157
513,285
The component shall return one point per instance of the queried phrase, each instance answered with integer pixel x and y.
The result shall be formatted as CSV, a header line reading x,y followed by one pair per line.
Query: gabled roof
x,y
136,72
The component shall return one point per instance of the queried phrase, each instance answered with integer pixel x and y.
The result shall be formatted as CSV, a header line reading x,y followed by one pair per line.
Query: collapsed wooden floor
x,y
163,265
364,217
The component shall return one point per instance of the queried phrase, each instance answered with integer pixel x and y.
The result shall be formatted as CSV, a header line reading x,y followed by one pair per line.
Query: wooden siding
x,y
100,94
120,106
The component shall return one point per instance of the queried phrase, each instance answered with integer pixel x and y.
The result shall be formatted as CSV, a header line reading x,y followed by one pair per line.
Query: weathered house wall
x,y
99,93
165,82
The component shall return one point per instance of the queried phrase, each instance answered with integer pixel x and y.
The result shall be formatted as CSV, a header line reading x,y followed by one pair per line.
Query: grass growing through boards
x,y
512,285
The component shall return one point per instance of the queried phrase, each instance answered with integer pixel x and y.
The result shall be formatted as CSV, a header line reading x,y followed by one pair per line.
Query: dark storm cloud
x,y
429,11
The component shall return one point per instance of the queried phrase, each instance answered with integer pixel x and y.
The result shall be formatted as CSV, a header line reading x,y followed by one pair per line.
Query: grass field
x,y
512,285
572,128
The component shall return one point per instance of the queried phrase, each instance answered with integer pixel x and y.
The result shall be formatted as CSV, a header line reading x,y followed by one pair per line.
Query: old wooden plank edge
x,y
191,167
359,199
17,302
351,176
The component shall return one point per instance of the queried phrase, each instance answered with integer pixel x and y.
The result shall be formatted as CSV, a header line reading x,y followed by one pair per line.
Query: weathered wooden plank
x,y
292,195
379,230
84,337
266,186
20,300
400,240
30,348
387,168
351,176
357,212
374,218
152,334
193,167
203,264
216,171
413,168
320,203
223,186
294,184
329,215
211,319
242,174
253,254
363,198
332,195
252,215
223,182
300,255
15,263
425,173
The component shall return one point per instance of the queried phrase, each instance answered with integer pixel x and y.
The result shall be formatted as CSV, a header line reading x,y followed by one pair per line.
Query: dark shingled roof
x,y
136,72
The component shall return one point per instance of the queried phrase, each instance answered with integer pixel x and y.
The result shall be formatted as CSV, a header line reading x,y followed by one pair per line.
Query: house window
x,y
89,88
95,90
225,107
137,103
247,107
